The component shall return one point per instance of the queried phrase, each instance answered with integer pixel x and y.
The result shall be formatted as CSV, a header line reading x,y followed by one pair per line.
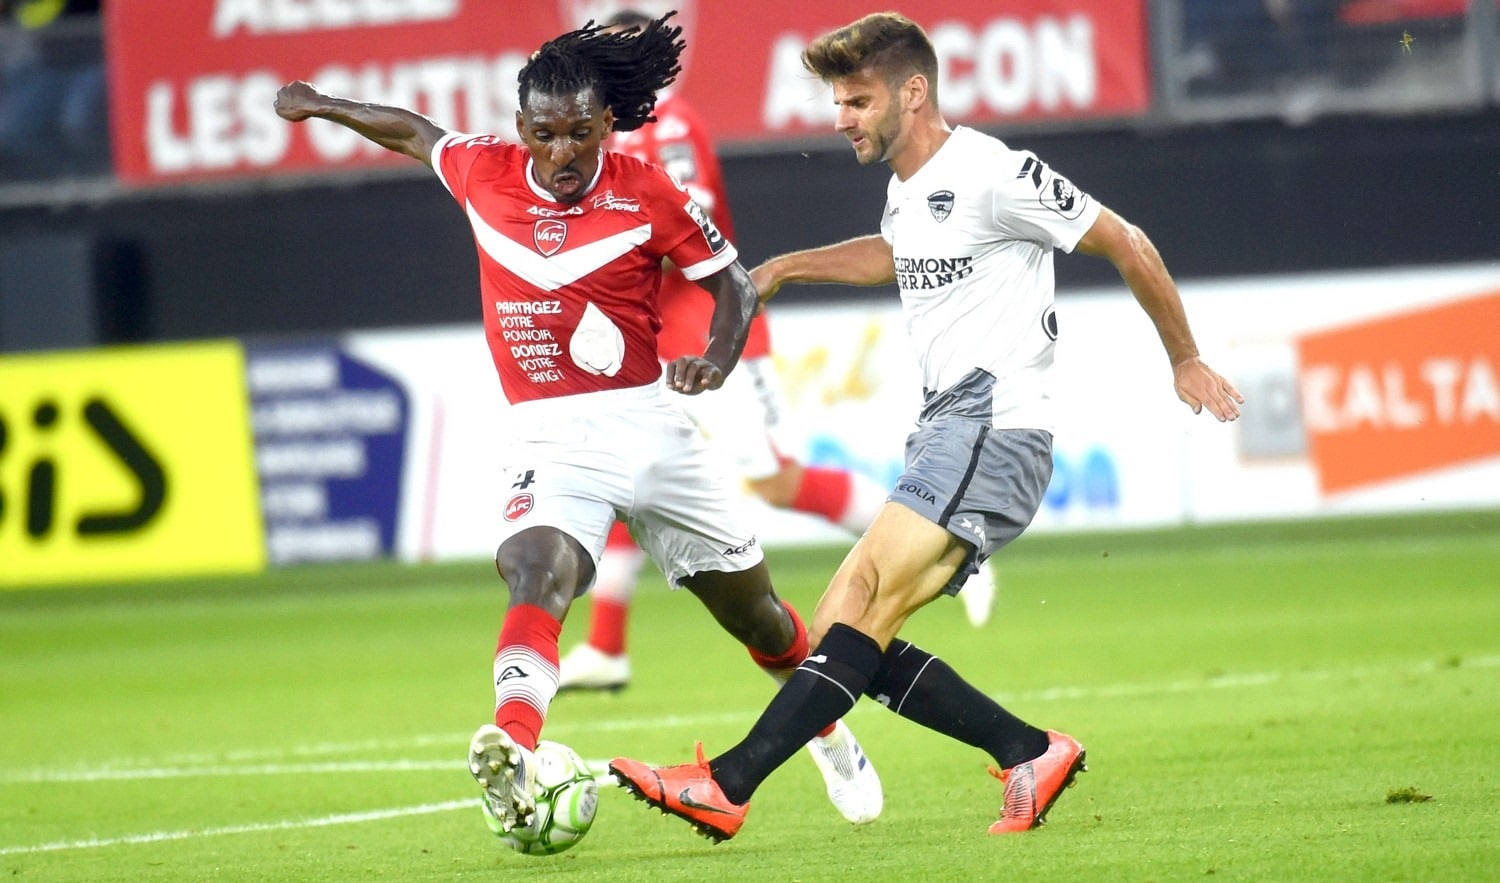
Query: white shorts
x,y
576,462
740,418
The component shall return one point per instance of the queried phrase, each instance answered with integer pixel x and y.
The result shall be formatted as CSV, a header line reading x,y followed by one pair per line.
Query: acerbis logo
x,y
44,474
921,493
549,236
518,506
543,211
741,549
511,671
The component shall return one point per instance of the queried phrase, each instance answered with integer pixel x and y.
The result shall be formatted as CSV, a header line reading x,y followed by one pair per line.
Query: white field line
x,y
276,760
350,818
135,770
132,774
123,774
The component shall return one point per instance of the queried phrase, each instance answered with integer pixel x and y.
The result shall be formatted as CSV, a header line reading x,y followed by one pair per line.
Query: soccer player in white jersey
x,y
968,233
571,240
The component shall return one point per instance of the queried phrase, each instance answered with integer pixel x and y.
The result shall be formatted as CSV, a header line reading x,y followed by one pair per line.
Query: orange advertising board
x,y
1403,394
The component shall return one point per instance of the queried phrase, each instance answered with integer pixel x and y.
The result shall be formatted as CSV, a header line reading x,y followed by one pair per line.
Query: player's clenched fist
x,y
691,375
296,101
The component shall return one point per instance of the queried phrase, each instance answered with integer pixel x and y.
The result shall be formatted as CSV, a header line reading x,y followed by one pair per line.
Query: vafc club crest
x,y
549,235
518,506
940,203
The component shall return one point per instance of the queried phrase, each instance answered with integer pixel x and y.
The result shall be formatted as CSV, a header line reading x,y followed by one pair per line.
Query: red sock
x,y
779,665
525,672
824,492
619,537
613,590
607,627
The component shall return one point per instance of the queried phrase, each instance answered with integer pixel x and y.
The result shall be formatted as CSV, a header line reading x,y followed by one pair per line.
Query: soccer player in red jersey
x,y
740,419
571,240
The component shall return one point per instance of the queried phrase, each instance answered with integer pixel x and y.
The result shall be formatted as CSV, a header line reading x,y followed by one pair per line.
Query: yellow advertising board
x,y
127,463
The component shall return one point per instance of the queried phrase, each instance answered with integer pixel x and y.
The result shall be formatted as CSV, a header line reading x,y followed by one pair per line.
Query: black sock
x,y
922,688
822,689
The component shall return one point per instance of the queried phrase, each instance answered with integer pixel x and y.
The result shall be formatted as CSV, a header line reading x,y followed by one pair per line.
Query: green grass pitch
x,y
1289,701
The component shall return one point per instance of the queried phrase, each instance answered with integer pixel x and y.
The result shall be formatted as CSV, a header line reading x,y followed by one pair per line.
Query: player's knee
x,y
545,570
863,599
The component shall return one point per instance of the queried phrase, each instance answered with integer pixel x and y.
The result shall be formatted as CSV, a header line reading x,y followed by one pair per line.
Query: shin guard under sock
x,y
822,689
781,667
924,689
525,672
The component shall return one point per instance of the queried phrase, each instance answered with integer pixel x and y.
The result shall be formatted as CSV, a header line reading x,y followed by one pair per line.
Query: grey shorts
x,y
981,484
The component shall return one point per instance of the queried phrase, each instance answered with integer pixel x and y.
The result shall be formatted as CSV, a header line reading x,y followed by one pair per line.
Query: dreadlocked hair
x,y
625,70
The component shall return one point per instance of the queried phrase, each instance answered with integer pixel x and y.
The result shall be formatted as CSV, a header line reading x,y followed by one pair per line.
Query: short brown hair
x,y
887,44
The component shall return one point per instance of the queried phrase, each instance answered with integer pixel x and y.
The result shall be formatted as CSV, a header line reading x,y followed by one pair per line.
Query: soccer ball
x,y
566,799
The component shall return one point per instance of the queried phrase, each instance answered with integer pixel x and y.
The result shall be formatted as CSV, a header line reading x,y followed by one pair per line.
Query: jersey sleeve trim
x,y
442,144
712,265
1085,223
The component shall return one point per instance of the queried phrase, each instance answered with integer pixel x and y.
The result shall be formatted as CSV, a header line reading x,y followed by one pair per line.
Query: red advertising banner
x,y
192,81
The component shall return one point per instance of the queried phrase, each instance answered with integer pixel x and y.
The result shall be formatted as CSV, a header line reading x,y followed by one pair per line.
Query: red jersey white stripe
x,y
570,290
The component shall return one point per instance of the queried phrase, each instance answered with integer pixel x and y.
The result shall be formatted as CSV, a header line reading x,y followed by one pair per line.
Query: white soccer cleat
x,y
978,595
507,773
587,668
852,783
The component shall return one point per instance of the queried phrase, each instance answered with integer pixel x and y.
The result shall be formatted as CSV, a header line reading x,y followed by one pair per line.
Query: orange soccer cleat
x,y
687,791
1032,787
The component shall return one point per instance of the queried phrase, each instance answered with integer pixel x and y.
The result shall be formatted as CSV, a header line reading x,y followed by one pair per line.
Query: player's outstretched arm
x,y
1140,265
735,304
866,260
393,128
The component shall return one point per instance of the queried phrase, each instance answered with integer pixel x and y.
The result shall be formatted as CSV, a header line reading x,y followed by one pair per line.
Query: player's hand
x,y
766,283
691,375
296,101
1201,386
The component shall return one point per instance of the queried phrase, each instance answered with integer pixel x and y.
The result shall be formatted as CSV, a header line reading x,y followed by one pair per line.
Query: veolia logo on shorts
x,y
549,235
518,506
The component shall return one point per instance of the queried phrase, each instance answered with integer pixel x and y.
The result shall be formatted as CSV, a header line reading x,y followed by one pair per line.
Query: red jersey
x,y
570,290
678,142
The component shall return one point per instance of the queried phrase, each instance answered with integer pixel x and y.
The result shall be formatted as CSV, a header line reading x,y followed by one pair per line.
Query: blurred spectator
x,y
1237,46
1436,28
52,93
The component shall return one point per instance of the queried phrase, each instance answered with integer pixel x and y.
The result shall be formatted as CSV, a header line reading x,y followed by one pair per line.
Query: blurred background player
x,y
740,418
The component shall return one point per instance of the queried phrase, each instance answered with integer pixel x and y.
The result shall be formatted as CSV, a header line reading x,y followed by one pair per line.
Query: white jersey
x,y
972,232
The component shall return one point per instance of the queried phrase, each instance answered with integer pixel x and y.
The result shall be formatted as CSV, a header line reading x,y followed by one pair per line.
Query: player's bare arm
x,y
1140,265
735,303
866,260
393,128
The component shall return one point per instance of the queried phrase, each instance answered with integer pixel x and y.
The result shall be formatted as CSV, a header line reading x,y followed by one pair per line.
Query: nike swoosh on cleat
x,y
685,797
